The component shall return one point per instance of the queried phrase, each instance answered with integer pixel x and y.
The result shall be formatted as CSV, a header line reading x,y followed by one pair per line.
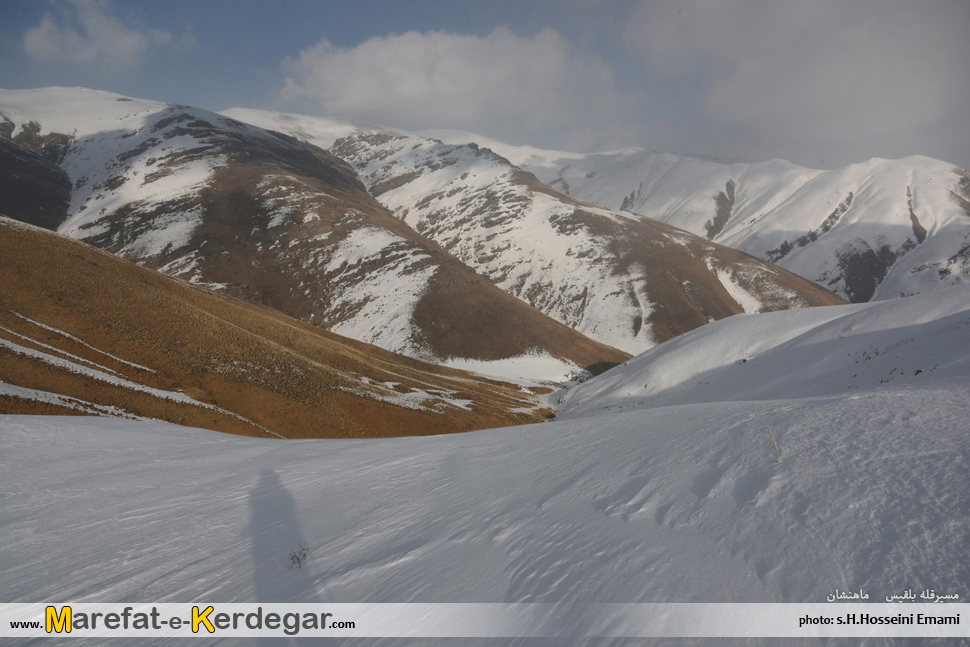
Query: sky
x,y
822,83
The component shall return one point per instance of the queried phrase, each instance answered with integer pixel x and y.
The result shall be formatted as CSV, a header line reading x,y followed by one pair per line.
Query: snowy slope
x,y
845,351
675,504
263,217
872,230
122,150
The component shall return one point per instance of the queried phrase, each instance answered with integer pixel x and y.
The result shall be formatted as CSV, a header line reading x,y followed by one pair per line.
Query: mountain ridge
x,y
871,230
628,283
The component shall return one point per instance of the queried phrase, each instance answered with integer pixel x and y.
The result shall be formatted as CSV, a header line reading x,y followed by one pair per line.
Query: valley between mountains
x,y
451,253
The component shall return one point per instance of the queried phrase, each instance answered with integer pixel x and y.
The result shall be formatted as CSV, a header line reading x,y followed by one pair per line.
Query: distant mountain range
x,y
379,234
873,230
266,274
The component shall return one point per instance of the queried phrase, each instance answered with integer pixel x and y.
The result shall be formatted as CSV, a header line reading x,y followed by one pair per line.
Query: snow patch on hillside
x,y
533,366
748,302
66,401
360,245
75,339
101,374
433,400
382,300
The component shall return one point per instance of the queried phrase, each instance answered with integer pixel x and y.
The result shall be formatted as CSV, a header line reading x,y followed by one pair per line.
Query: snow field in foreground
x,y
674,504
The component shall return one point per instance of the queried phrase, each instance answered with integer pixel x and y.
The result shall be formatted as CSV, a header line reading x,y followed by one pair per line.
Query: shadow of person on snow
x,y
275,535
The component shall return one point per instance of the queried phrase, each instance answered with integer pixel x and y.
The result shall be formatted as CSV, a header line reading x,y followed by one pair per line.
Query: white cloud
x,y
501,84
88,36
867,74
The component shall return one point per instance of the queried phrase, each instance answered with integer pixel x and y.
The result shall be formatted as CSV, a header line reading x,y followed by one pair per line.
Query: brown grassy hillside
x,y
82,331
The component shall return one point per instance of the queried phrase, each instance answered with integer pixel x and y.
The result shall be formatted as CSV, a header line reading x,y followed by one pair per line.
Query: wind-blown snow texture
x,y
672,504
873,230
685,502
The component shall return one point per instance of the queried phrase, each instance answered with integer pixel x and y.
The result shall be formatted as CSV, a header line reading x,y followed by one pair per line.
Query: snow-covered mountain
x,y
264,217
626,282
623,281
873,230
679,498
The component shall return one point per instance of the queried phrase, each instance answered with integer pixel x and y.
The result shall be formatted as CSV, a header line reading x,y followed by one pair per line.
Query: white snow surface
x,y
537,365
674,504
74,111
